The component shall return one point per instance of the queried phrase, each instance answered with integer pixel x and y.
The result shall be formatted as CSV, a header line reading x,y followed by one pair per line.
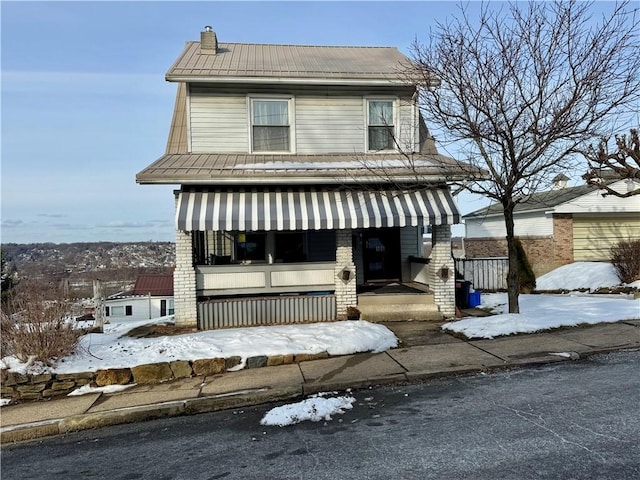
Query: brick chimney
x,y
208,41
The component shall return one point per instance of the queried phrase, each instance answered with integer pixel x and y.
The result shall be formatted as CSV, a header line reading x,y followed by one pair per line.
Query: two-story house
x,y
306,175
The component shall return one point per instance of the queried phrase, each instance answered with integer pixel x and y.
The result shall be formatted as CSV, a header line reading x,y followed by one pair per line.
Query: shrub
x,y
35,323
526,277
625,257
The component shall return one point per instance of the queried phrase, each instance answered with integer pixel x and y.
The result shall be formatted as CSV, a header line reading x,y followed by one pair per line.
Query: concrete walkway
x,y
425,352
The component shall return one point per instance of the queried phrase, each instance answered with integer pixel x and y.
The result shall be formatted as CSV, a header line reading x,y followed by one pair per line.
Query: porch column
x,y
345,273
444,286
184,282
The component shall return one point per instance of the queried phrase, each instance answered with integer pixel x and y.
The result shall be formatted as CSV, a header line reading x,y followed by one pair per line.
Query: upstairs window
x,y
270,125
380,125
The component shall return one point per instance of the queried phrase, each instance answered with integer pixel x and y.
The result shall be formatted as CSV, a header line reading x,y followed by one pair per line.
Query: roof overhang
x,y
288,80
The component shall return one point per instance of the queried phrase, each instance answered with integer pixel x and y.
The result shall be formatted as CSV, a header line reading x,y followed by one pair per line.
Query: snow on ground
x,y
106,389
579,276
315,408
112,349
544,312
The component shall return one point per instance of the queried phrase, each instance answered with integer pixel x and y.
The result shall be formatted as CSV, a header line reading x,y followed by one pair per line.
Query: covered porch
x,y
268,255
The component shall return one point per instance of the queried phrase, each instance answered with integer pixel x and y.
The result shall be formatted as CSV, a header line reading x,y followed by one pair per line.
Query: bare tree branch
x,y
525,88
622,163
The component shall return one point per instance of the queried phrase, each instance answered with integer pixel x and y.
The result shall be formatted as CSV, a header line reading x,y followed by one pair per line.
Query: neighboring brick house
x,y
151,297
289,161
557,227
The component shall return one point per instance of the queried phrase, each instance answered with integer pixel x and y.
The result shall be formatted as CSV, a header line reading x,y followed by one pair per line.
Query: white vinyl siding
x,y
593,237
534,224
218,123
329,124
594,202
407,127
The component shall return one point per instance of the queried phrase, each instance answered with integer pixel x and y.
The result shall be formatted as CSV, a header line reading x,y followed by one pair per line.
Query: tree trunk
x,y
98,302
513,282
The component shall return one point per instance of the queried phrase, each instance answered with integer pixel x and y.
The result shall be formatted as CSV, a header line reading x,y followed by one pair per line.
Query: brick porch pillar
x,y
345,288
444,289
184,282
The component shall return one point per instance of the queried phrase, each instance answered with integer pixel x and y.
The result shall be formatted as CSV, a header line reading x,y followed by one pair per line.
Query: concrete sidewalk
x,y
425,352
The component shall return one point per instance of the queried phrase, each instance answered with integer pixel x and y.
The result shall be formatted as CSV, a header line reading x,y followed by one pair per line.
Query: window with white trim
x,y
270,125
119,311
380,128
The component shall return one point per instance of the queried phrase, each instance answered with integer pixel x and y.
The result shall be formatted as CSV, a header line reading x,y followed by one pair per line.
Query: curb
x,y
192,406
213,403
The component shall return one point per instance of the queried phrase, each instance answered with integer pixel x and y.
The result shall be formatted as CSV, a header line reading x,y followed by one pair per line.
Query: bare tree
x,y
523,88
621,163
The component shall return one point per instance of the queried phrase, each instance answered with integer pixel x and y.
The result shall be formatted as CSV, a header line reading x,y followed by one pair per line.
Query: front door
x,y
381,254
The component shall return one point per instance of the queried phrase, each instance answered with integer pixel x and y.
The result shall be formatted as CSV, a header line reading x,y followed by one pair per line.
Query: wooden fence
x,y
486,274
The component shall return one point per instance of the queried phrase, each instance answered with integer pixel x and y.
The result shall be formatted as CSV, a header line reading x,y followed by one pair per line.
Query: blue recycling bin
x,y
474,299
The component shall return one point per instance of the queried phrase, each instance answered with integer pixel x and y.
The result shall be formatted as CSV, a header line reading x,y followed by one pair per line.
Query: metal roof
x,y
155,285
245,60
212,168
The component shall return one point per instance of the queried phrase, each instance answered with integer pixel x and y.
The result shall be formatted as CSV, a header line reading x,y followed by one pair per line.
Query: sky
x,y
85,105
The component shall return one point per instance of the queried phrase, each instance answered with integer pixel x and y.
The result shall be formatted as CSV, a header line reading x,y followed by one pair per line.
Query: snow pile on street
x,y
544,312
316,408
112,349
579,276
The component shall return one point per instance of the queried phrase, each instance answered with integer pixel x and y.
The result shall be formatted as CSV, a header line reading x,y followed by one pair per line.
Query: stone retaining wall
x,y
20,387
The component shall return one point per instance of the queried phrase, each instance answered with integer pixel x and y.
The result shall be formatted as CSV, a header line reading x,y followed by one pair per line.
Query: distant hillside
x,y
80,263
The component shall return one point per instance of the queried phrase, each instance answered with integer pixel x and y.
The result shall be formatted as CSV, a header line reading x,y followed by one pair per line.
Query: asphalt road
x,y
574,420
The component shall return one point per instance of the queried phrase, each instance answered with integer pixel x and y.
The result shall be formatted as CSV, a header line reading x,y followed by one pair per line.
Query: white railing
x,y
263,278
487,274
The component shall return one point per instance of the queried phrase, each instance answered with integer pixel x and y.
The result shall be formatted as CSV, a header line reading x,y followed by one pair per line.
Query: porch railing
x,y
488,274
263,278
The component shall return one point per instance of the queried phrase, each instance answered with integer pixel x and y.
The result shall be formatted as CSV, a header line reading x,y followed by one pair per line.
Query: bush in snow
x,y
625,257
35,325
526,277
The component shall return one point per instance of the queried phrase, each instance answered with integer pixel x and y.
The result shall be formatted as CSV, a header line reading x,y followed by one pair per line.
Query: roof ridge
x,y
302,45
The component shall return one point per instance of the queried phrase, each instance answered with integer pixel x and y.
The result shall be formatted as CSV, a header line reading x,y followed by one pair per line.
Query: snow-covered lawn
x,y
580,276
545,312
113,349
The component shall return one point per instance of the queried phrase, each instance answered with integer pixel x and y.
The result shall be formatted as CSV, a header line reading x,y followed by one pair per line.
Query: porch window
x,y
290,247
224,248
251,247
270,125
380,125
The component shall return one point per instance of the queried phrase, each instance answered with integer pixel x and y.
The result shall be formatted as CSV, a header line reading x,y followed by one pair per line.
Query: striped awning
x,y
311,209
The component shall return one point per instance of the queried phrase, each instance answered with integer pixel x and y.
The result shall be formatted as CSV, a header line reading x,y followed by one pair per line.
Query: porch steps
x,y
398,307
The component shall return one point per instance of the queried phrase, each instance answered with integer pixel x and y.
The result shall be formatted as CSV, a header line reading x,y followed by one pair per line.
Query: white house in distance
x,y
306,178
151,297
560,226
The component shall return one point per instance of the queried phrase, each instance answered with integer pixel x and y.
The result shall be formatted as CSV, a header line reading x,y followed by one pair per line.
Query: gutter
x,y
288,80
292,181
